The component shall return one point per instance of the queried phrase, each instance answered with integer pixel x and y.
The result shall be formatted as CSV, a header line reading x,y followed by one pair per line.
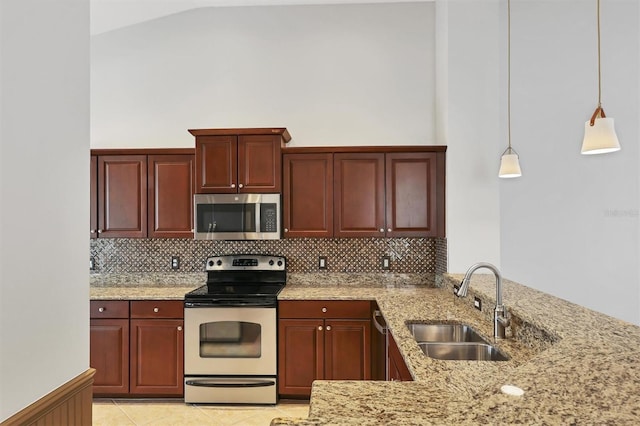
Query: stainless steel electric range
x,y
230,331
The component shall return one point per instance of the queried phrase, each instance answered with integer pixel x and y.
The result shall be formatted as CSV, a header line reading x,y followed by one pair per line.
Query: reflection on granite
x,y
575,365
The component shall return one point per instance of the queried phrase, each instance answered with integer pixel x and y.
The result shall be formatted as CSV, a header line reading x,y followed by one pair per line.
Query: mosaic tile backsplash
x,y
407,255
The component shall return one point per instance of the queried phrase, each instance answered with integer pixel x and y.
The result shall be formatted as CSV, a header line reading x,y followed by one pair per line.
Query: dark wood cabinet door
x,y
122,196
93,197
398,370
300,355
171,187
157,357
308,195
411,194
216,164
259,163
347,349
109,355
359,195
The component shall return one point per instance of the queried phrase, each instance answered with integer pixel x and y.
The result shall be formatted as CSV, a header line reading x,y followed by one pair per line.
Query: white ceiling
x,y
108,15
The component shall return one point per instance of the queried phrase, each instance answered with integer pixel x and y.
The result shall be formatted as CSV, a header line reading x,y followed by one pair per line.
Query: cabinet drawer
x,y
109,309
324,309
157,309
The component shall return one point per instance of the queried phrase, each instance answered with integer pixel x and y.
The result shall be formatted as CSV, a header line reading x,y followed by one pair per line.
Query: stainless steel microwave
x,y
236,216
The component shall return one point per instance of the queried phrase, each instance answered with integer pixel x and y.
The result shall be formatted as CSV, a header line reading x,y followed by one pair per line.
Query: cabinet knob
x,y
99,231
240,185
101,309
286,229
324,309
320,328
156,310
233,185
388,229
328,328
93,231
179,328
381,229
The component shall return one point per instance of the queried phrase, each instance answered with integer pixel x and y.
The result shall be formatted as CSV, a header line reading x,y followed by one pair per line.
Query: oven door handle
x,y
223,383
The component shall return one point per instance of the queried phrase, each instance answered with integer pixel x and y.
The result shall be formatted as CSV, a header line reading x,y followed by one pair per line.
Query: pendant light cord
x,y
599,72
509,72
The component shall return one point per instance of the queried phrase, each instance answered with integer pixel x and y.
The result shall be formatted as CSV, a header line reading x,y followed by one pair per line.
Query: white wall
x,y
44,197
471,116
332,74
570,224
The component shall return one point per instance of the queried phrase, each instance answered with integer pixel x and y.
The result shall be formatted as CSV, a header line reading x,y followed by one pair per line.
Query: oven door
x,y
230,341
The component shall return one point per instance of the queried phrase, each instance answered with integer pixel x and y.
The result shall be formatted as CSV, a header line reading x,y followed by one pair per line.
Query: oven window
x,y
230,339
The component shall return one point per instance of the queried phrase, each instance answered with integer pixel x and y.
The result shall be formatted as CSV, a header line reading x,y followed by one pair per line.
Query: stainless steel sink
x,y
444,333
453,342
462,351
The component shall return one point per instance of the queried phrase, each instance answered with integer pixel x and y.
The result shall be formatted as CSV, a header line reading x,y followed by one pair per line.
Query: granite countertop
x,y
575,365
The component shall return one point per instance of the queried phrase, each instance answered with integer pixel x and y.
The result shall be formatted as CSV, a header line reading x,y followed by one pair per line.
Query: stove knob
x,y
271,262
279,262
211,263
219,262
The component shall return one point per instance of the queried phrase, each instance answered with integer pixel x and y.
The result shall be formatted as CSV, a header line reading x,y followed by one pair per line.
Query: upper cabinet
x,y
364,192
239,160
142,193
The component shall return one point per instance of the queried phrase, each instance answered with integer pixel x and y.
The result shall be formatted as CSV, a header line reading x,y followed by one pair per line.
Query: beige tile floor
x,y
121,412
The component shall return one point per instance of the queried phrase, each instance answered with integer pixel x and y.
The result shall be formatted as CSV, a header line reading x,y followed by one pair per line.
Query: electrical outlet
x,y
386,262
92,264
322,262
175,262
477,303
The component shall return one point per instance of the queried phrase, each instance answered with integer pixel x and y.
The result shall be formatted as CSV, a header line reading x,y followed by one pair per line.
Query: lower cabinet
x,y
328,340
140,352
397,368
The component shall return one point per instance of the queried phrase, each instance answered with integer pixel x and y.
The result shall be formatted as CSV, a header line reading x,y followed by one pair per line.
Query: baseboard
x,y
70,404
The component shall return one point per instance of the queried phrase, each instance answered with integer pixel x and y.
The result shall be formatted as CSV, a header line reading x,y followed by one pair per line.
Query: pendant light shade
x,y
600,136
599,133
509,164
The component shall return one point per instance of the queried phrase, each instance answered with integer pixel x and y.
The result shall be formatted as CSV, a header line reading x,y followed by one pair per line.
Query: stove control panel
x,y
245,262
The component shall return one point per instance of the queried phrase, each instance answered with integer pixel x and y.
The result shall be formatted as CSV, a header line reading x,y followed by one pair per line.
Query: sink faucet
x,y
501,319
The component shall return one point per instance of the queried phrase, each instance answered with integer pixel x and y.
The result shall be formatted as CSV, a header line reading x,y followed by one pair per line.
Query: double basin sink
x,y
457,342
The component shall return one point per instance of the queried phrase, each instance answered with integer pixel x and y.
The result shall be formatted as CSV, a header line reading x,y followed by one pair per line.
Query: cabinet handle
x,y
240,185
328,328
320,327
324,309
102,309
156,310
381,229
233,185
179,328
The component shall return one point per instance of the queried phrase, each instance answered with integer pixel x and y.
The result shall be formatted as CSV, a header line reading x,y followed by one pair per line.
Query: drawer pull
x,y
156,310
102,309
324,309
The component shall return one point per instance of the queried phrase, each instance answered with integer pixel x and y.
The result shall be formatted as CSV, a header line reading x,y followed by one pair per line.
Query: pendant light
x,y
509,162
599,133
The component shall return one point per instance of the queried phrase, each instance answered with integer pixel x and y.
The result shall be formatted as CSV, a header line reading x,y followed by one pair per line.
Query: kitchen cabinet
x,y
322,340
171,185
376,191
137,348
308,195
140,193
232,161
157,348
109,346
396,367
395,194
